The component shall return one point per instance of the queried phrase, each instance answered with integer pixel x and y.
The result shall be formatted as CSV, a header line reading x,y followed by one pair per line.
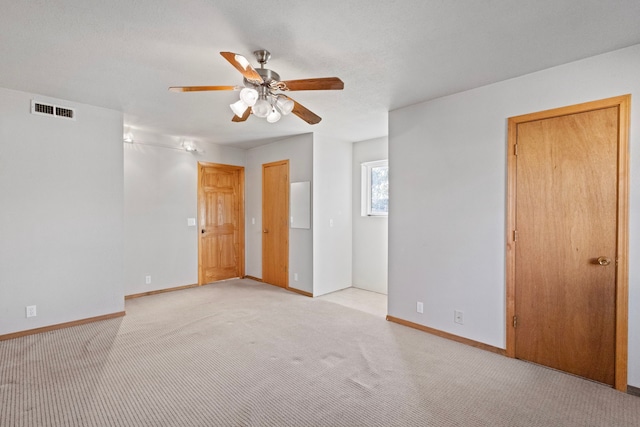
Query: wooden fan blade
x,y
242,64
304,113
244,117
201,88
323,83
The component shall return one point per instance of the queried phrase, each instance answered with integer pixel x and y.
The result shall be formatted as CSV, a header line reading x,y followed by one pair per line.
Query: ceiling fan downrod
x,y
262,56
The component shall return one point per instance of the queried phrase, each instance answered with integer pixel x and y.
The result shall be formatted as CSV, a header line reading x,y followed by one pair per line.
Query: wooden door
x,y
567,244
275,223
221,221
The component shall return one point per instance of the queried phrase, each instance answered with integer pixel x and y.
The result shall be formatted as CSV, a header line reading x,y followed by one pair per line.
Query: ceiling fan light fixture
x,y
128,137
189,146
249,96
239,107
274,115
285,105
261,94
262,108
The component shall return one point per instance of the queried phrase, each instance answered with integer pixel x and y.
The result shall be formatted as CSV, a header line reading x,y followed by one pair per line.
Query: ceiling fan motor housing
x,y
267,75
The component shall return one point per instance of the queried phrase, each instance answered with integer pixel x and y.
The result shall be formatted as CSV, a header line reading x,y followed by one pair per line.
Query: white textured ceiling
x,y
124,54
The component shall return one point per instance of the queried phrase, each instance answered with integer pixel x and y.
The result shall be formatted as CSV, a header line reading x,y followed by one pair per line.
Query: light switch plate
x,y
191,222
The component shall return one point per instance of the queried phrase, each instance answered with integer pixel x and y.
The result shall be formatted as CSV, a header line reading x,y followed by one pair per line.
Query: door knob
x,y
603,260
202,231
266,231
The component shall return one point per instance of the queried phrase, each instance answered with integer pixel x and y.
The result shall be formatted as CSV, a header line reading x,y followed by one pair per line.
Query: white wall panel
x,y
447,228
160,193
299,151
332,200
61,213
370,233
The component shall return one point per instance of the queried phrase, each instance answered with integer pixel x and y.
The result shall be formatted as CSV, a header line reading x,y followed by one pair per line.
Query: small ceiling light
x,y
249,96
189,146
239,107
262,108
273,116
285,105
128,137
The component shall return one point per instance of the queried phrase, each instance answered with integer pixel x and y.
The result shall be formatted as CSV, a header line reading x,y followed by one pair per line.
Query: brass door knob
x,y
603,260
266,231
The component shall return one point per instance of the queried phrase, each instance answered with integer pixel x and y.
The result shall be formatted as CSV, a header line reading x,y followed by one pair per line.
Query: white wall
x,y
61,214
370,236
447,222
298,150
332,222
160,193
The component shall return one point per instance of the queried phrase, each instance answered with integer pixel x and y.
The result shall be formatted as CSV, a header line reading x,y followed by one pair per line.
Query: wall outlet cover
x,y
31,311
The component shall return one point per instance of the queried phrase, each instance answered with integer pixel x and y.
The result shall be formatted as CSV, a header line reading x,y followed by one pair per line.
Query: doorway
x,y
567,244
275,223
221,221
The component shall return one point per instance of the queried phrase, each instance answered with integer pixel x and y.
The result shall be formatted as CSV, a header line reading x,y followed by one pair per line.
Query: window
x,y
375,188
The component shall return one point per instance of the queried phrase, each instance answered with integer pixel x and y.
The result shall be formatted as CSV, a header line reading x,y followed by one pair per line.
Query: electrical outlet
x,y
420,307
31,311
295,276
147,280
457,316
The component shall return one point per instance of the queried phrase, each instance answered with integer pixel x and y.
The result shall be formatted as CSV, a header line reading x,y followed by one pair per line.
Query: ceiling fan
x,y
263,92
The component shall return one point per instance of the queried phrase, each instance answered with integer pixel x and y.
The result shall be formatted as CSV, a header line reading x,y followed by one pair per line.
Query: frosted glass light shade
x,y
239,107
189,146
273,116
285,105
249,96
262,108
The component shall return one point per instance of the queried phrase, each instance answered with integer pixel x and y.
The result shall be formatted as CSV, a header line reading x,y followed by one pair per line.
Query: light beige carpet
x,y
241,353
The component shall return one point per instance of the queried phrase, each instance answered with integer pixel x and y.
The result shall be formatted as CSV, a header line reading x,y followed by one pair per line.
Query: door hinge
x,y
515,235
515,149
515,321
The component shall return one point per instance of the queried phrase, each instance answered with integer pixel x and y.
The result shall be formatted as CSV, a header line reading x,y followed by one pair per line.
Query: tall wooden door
x,y
275,223
221,221
567,242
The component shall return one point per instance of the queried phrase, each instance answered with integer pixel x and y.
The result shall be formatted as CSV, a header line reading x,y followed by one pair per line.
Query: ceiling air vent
x,y
52,110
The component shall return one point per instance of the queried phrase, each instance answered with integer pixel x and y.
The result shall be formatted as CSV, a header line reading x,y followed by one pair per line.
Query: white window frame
x,y
365,188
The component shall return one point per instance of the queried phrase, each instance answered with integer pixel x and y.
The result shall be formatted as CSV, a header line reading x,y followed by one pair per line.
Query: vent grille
x,y
52,110
64,112
44,109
